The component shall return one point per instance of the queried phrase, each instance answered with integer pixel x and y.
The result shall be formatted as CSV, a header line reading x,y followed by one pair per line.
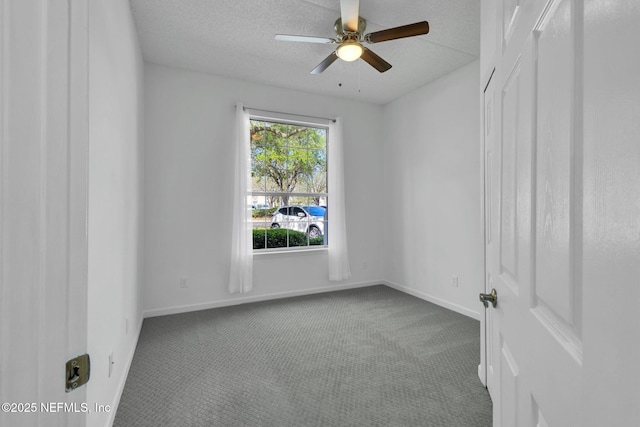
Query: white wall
x,y
489,35
188,179
115,199
433,192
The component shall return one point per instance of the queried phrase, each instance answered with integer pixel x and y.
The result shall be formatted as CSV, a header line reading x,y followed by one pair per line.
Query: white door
x,y
43,209
489,143
564,181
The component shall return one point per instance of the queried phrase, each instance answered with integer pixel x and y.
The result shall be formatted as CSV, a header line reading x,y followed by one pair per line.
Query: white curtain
x,y
338,253
241,274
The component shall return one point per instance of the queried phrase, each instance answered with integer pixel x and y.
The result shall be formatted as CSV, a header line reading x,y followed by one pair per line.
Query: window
x,y
289,185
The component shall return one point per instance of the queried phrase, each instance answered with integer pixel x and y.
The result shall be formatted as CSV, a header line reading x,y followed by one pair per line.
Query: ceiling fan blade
x,y
398,32
304,39
349,12
325,64
375,61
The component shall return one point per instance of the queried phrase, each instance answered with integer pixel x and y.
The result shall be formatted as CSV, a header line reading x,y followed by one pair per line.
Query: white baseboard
x,y
435,300
287,294
123,378
481,376
247,299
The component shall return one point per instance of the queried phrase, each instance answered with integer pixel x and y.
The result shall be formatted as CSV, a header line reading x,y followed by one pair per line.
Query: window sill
x,y
290,253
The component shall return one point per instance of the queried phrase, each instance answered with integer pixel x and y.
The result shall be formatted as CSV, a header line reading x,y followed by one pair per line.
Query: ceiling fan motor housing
x,y
339,29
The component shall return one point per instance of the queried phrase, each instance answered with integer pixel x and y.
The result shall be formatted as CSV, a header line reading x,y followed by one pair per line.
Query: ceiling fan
x,y
350,35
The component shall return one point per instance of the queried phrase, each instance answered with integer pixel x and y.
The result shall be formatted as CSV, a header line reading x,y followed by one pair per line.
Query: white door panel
x,y
562,209
43,207
611,214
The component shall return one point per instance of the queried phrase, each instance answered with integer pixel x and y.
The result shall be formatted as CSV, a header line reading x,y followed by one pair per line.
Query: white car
x,y
306,219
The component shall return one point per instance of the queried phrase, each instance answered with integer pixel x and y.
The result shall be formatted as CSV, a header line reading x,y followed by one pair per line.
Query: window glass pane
x,y
288,170
303,179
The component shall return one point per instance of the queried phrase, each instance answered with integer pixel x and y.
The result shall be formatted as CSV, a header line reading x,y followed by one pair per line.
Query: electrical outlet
x,y
454,281
184,282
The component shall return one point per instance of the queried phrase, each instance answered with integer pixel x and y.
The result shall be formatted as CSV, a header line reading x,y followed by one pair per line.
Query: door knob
x,y
489,298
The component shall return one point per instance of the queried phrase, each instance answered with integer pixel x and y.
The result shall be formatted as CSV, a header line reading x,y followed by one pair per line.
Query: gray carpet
x,y
363,357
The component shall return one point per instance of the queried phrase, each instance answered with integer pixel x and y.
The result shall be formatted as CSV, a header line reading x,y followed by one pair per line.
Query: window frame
x,y
281,118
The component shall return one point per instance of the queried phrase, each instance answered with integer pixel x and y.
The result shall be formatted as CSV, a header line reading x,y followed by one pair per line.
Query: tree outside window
x,y
288,169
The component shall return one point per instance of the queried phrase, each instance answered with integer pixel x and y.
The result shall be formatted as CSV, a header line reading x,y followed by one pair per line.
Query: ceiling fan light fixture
x,y
350,51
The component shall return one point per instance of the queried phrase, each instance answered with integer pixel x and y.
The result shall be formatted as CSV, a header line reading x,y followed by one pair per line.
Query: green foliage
x,y
284,156
263,213
277,238
317,241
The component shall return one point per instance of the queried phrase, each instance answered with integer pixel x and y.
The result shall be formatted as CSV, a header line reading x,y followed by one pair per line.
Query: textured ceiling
x,y
235,38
